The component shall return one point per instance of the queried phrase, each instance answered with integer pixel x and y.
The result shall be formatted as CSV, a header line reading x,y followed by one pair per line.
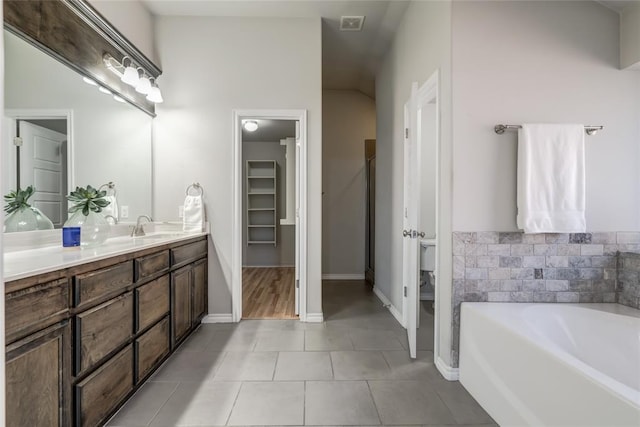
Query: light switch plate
x,y
124,211
181,211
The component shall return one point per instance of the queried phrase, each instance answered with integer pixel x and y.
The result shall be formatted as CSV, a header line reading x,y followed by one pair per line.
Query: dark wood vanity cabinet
x,y
81,340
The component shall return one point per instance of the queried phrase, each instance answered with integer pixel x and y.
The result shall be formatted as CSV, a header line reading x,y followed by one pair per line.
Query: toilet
x,y
427,269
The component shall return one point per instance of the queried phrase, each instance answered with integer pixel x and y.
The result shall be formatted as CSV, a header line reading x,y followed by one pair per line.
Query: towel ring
x,y
110,187
195,186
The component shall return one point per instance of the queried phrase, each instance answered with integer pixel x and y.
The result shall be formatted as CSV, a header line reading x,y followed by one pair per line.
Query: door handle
x,y
406,233
421,234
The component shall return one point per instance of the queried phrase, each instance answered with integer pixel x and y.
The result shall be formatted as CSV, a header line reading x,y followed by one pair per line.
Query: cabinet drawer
x,y
151,264
153,301
189,252
35,308
152,347
101,330
99,393
96,285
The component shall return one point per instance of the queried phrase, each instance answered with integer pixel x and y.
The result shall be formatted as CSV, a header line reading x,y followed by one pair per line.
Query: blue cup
x,y
70,236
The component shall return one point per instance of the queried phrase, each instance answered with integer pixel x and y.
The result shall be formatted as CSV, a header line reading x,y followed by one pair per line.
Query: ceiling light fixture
x,y
250,125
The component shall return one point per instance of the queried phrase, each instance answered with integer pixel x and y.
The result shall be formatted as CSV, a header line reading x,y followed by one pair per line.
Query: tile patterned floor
x,y
353,370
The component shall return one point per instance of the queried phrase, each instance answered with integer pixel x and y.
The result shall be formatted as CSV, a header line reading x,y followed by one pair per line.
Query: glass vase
x,y
23,219
94,228
44,223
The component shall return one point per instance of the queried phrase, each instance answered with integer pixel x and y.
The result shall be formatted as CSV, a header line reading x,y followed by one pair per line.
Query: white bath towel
x,y
193,214
112,207
551,178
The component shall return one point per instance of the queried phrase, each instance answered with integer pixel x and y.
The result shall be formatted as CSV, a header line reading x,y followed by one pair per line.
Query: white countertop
x,y
31,262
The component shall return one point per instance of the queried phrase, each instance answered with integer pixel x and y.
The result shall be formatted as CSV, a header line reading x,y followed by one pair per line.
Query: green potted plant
x,y
85,213
21,216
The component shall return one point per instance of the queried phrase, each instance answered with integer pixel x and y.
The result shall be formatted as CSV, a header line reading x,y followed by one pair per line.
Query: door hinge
x,y
17,141
297,284
406,133
405,291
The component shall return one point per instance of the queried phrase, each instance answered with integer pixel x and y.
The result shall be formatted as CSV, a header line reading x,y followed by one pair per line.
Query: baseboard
x,y
385,301
218,318
314,318
343,277
449,373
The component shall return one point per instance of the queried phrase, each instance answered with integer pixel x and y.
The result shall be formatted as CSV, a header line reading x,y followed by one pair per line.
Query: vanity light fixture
x,y
88,81
130,75
118,98
144,84
134,76
154,95
250,125
104,90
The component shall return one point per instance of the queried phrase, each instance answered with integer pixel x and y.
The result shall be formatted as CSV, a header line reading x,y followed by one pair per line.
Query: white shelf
x,y
261,184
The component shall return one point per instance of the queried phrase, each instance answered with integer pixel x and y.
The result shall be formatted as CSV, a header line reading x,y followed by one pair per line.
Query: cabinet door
x,y
181,303
37,378
199,292
153,302
151,348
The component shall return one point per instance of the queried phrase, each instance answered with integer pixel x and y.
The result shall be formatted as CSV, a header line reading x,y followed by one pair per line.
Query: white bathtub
x,y
553,364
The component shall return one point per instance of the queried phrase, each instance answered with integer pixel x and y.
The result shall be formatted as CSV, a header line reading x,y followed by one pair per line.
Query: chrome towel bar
x,y
500,129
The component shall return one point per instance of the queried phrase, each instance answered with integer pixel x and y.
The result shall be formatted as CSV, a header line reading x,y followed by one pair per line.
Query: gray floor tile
x,y
240,366
339,403
280,341
269,403
327,340
314,365
404,367
409,402
193,404
190,366
464,407
144,405
233,340
374,340
359,365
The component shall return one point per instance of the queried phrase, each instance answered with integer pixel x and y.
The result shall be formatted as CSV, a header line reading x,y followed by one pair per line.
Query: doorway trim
x,y
301,229
44,114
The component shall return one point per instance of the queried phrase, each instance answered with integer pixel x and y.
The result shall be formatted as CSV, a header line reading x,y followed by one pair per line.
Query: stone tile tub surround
x,y
545,268
629,279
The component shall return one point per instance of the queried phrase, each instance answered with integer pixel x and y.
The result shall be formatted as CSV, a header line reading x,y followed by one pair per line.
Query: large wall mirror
x,y
72,135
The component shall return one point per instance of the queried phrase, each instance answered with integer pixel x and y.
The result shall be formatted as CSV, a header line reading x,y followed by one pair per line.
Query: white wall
x,y
2,328
630,36
348,118
215,65
111,140
133,20
518,62
421,46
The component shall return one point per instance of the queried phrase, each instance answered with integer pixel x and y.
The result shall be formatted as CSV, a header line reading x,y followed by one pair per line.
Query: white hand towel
x,y
193,214
112,207
551,178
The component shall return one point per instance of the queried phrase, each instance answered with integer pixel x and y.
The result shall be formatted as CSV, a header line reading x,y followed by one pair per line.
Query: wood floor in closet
x,y
268,293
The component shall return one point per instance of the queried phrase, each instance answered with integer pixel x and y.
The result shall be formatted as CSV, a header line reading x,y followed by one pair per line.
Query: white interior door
x,y
411,215
9,177
42,164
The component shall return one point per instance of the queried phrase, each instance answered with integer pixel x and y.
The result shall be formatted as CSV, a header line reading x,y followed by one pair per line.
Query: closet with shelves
x,y
261,202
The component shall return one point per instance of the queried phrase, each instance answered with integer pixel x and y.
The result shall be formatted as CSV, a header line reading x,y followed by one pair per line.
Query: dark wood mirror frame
x,y
73,32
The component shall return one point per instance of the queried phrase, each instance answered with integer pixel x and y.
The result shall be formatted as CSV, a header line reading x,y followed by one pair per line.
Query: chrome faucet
x,y
113,221
139,229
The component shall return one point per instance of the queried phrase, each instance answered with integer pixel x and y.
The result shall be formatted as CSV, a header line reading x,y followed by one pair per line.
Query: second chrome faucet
x,y
138,230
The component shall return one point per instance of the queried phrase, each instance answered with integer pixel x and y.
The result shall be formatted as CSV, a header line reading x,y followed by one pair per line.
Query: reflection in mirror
x,y
72,135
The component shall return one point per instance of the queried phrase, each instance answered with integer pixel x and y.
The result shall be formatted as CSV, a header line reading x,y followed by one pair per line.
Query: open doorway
x,y
269,226
35,147
269,221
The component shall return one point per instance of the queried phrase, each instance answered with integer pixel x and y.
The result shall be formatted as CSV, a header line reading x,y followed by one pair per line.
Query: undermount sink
x,y
159,236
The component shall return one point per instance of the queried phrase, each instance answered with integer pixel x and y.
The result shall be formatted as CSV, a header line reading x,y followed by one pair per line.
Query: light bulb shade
x,y
118,98
104,90
251,126
130,76
155,95
144,85
87,80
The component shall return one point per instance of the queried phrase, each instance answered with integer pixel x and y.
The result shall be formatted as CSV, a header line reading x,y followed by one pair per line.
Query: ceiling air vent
x,y
351,23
